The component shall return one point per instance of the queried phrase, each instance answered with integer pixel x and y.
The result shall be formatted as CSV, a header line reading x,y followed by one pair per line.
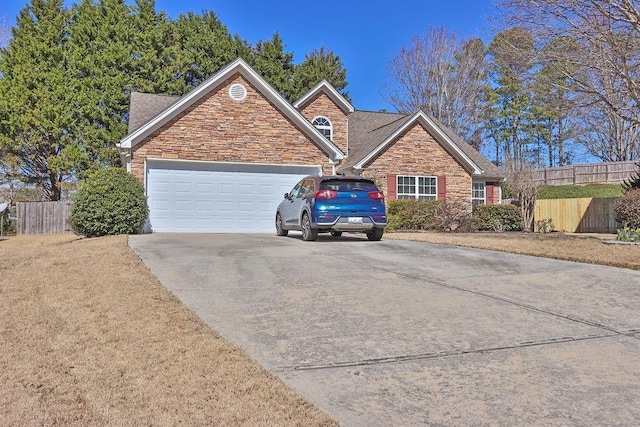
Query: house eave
x,y
331,93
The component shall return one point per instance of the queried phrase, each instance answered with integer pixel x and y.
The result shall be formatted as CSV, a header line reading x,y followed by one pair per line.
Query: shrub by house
x,y
111,201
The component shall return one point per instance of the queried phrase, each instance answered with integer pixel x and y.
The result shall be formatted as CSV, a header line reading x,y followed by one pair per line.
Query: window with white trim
x,y
324,126
478,193
417,187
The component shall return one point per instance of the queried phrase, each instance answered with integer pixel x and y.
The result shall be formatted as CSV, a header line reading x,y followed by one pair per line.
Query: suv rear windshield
x,y
348,185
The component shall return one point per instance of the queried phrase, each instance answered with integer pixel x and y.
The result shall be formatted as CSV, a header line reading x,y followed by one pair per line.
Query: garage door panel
x,y
183,205
204,206
225,187
225,206
204,188
222,198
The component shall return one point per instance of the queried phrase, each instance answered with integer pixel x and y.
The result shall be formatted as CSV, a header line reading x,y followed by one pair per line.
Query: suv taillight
x,y
377,195
326,194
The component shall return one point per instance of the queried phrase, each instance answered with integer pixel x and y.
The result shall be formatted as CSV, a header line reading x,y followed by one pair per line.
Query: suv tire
x,y
308,233
375,234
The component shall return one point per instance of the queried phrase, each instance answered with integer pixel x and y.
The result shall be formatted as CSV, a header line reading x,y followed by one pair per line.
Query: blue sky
x,y
366,34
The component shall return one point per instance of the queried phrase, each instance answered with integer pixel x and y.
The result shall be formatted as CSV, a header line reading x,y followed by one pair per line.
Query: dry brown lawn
x,y
563,246
88,336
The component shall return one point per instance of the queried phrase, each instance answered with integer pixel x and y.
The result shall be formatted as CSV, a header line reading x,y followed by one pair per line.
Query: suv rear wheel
x,y
308,233
375,234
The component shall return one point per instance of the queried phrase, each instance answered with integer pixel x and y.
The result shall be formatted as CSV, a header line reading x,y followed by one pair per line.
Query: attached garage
x,y
214,197
218,197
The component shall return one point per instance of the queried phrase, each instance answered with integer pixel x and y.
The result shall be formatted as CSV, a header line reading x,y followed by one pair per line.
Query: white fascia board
x,y
430,124
239,65
333,94
176,108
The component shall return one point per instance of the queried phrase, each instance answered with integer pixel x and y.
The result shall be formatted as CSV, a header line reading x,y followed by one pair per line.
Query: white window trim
x,y
484,192
323,127
417,194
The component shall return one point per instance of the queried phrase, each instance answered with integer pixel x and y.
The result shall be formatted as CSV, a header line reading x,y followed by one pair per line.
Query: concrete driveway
x,y
406,333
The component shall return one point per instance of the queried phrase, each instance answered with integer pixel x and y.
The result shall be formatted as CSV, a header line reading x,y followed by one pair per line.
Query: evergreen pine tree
x,y
102,63
202,46
319,64
36,104
275,65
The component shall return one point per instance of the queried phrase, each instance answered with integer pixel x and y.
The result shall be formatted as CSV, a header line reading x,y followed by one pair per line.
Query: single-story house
x,y
219,158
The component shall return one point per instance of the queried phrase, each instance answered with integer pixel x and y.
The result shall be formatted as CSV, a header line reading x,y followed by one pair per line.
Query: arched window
x,y
324,126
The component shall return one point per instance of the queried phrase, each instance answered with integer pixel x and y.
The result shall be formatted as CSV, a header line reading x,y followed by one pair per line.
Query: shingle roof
x,y
368,129
145,106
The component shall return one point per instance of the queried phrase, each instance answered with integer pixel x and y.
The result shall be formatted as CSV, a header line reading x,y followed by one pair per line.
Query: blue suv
x,y
332,204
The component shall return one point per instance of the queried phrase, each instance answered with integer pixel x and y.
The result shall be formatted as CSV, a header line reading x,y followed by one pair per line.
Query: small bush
x,y
627,209
497,218
544,225
451,216
111,201
634,180
628,235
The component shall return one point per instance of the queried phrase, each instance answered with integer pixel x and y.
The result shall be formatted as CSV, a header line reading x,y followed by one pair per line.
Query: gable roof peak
x,y
428,123
241,67
327,88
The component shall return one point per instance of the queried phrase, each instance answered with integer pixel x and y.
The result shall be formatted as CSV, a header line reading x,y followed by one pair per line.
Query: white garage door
x,y
207,197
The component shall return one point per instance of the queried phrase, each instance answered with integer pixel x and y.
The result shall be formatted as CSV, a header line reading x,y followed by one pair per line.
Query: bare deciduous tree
x,y
609,137
607,33
525,187
444,77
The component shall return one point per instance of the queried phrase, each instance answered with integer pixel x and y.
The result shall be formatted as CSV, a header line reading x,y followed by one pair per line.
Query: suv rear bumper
x,y
345,223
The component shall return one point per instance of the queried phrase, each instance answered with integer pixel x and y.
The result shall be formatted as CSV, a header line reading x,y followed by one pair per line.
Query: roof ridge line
x,y
390,123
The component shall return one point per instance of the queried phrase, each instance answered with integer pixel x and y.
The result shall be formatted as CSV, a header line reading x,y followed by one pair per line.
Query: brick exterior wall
x,y
322,105
416,152
217,128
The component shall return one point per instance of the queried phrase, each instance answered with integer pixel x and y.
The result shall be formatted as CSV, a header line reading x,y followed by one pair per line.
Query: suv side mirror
x,y
287,196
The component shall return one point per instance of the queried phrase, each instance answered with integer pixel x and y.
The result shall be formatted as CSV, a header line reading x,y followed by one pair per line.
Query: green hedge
x,y
111,201
411,214
497,218
580,191
437,215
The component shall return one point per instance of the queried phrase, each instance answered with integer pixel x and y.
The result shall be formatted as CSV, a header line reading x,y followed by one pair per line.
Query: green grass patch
x,y
580,191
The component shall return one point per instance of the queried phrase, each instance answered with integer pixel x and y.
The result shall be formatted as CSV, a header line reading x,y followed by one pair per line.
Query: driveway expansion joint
x,y
438,355
495,298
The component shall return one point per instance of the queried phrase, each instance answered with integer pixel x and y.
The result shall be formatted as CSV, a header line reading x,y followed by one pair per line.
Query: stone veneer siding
x,y
322,105
217,128
417,153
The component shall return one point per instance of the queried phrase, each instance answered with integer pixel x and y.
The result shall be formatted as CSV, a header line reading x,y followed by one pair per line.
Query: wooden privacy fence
x,y
588,215
43,217
609,172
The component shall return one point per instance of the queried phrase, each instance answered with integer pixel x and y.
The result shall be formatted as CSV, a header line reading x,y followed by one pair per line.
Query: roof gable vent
x,y
237,92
